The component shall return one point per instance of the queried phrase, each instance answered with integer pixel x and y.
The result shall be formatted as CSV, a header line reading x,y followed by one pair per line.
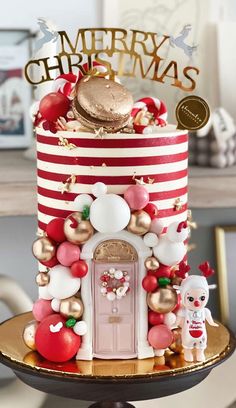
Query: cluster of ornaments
x,y
114,284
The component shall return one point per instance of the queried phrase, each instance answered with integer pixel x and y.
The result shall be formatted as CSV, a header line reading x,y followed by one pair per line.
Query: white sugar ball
x,y
175,236
169,319
112,270
99,189
150,239
111,296
44,293
169,253
218,160
126,284
118,274
80,328
103,290
55,304
148,130
109,213
157,226
62,284
81,201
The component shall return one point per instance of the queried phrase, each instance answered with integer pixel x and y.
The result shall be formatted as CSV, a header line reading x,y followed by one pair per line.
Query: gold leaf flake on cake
x,y
178,204
65,143
99,133
65,186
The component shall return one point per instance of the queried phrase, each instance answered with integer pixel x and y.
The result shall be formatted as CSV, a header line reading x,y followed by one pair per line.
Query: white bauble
x,y
169,253
80,328
62,284
175,236
44,293
231,144
217,147
150,239
170,319
55,305
157,226
118,274
81,201
99,189
103,290
109,213
111,296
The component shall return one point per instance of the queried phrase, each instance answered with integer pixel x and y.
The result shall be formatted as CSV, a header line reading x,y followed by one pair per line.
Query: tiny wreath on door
x,y
114,284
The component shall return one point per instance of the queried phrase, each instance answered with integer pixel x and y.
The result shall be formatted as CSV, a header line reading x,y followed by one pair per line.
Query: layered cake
x,y
112,223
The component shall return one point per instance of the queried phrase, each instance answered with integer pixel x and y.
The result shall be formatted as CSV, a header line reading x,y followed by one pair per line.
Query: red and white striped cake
x,y
159,158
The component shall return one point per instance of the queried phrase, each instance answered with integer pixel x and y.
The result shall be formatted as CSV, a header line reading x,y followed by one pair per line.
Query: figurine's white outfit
x,y
194,329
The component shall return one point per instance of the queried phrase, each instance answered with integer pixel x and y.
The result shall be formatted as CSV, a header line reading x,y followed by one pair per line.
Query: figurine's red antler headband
x,y
183,270
206,270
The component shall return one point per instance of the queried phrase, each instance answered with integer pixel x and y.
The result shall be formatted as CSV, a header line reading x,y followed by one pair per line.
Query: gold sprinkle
x,y
99,133
150,180
64,142
66,185
91,167
178,204
107,86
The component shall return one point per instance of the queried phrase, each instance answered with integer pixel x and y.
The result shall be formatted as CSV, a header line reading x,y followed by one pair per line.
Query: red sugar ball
x,y
155,318
55,230
54,105
151,209
56,342
149,283
51,263
79,269
163,272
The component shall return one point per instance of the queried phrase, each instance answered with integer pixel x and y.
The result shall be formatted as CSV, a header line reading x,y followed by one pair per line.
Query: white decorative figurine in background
x,y
194,291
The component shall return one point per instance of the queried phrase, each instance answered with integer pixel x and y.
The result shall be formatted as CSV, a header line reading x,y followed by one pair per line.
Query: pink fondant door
x,y
114,321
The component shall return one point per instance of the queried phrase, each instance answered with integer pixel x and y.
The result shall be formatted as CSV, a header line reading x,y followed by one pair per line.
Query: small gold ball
x,y
72,307
151,263
42,279
29,334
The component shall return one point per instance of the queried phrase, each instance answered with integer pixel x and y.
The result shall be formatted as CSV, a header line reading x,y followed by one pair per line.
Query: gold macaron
x,y
100,102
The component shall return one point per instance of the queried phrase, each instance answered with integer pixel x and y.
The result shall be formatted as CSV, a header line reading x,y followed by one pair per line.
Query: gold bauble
x,y
151,263
176,281
72,307
29,334
77,230
176,346
44,249
42,279
139,223
163,300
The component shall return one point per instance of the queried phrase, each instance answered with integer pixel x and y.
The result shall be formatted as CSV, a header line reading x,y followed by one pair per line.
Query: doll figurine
x,y
194,292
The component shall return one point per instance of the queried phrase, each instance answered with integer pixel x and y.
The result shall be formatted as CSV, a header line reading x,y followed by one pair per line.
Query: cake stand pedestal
x,y
110,382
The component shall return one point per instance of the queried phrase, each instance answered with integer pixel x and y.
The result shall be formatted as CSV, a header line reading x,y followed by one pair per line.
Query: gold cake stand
x,y
111,382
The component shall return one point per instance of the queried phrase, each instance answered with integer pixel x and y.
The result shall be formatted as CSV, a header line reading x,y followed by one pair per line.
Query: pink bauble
x,y
160,337
41,309
137,197
157,226
68,253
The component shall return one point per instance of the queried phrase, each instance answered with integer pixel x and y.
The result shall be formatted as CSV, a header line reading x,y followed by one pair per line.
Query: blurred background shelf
x,y
208,187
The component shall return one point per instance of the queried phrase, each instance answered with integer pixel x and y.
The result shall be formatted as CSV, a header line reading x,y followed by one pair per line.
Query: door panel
x,y
114,322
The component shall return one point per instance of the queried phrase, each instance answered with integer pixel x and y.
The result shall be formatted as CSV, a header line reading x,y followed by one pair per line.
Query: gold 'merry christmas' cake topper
x,y
128,53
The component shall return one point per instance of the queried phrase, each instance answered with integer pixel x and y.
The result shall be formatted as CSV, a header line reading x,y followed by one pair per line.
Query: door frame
x,y
144,350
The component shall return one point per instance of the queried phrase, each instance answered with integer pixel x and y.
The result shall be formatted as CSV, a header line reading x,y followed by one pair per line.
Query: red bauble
x,y
149,283
55,230
54,105
151,209
55,343
79,269
51,263
155,318
163,272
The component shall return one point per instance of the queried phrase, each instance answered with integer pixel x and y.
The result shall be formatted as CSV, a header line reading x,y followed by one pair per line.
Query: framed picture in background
x,y
15,93
226,269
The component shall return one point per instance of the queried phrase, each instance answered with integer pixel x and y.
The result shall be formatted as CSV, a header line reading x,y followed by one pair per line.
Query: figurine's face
x,y
195,299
